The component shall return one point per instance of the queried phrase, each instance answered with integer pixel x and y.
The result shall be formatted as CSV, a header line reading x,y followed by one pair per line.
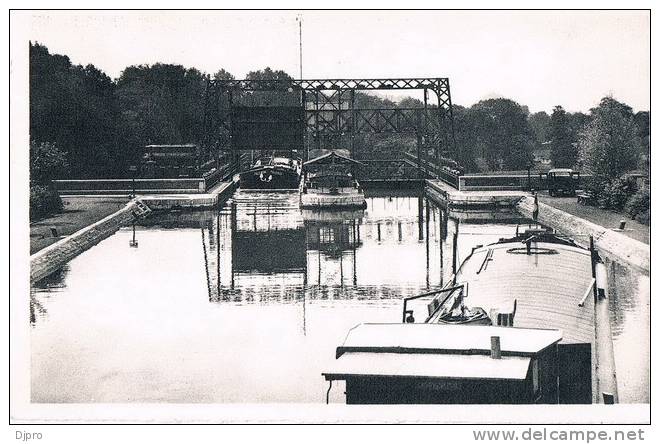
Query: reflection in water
x,y
629,292
260,247
50,285
247,304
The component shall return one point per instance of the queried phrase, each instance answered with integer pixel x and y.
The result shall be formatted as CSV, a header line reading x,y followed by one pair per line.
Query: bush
x,y
614,195
44,200
639,206
47,162
644,217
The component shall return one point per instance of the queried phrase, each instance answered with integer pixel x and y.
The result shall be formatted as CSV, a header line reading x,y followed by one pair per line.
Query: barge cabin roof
x,y
545,284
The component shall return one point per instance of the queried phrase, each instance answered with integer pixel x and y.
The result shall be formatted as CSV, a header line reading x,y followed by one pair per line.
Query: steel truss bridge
x,y
322,113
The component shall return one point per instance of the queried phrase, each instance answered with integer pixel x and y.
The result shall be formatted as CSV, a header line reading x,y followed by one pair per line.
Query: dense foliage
x,y
609,145
47,162
495,134
639,206
44,200
614,194
74,107
563,151
103,124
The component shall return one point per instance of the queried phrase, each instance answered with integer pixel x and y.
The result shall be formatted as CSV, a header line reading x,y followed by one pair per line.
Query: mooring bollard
x,y
495,348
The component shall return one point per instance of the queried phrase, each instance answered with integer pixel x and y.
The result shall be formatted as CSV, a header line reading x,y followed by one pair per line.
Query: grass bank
x,y
78,213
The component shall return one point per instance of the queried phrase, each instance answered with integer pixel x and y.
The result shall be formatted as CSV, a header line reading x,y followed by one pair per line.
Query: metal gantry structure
x,y
330,117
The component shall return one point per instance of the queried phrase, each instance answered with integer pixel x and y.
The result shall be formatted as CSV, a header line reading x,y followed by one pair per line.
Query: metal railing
x,y
409,313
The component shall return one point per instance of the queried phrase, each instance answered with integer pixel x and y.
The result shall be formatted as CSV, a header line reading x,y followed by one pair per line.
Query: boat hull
x,y
270,178
333,201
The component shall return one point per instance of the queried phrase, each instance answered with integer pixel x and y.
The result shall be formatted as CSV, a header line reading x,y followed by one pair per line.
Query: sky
x,y
538,58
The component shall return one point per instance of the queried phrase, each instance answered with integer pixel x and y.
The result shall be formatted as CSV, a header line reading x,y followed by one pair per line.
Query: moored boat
x,y
329,182
272,172
516,324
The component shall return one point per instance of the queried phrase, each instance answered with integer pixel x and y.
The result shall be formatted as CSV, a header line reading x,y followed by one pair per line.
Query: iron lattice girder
x,y
329,107
384,120
439,85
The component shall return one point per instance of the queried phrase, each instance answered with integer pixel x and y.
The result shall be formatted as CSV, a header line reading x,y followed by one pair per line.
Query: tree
x,y
609,144
503,131
221,74
540,124
410,102
75,108
283,95
47,162
160,104
563,151
643,122
467,143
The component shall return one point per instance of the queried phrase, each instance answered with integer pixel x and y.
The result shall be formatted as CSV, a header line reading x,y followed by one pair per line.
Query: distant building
x,y
542,155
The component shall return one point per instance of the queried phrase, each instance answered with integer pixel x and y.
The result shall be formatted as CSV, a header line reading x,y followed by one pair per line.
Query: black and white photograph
x,y
330,216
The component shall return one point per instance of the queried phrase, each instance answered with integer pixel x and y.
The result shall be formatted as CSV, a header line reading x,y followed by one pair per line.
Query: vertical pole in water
x,y
341,268
234,224
306,258
454,265
206,263
354,256
420,218
441,242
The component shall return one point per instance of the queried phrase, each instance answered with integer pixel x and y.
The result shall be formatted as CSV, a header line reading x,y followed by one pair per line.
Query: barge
x,y
329,182
521,321
272,173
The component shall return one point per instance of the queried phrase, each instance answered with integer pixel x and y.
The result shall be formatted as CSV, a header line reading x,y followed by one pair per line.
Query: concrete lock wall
x,y
616,245
45,261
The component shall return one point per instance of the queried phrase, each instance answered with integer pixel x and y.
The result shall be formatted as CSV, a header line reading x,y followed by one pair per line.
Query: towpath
x,y
79,212
604,218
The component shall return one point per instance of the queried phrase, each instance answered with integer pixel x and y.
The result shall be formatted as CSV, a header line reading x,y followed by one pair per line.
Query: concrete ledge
x,y
190,201
453,198
45,261
125,191
617,246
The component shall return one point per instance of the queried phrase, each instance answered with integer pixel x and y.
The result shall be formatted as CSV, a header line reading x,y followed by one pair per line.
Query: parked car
x,y
561,181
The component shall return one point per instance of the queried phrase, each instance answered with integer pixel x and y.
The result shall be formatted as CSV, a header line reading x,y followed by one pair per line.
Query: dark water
x,y
247,304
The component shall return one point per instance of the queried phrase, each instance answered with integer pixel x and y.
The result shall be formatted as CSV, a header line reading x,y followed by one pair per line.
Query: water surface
x,y
248,303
